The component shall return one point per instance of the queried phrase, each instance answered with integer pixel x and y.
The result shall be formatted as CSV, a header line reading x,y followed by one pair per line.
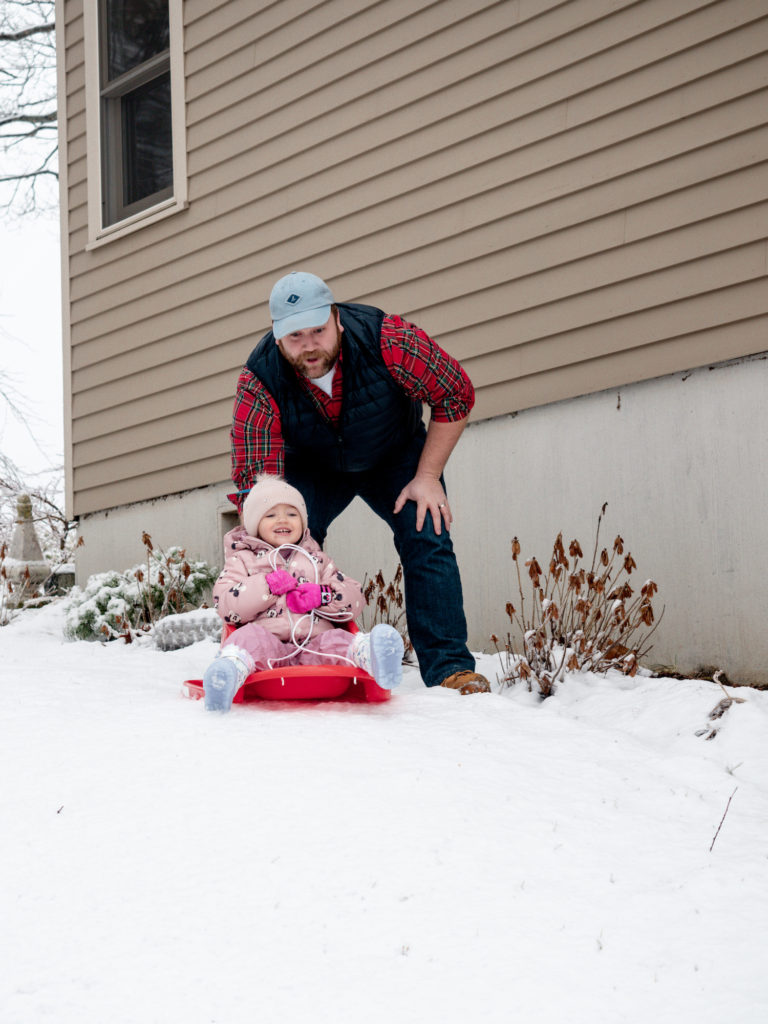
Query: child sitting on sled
x,y
285,596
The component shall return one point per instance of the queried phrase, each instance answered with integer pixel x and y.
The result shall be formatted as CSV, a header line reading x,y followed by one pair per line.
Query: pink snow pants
x,y
334,646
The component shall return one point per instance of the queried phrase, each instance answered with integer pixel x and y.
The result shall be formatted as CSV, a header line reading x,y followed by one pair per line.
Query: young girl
x,y
285,596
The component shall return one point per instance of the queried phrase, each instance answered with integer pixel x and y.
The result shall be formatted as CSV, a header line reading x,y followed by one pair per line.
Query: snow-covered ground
x,y
440,858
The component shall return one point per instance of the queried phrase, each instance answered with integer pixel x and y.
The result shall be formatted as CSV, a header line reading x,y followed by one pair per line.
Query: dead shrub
x,y
577,617
385,603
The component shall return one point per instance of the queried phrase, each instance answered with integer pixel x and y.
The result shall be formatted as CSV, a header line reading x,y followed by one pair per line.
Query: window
x,y
135,111
137,149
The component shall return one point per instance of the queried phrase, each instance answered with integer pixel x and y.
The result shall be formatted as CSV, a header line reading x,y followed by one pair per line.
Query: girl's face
x,y
281,525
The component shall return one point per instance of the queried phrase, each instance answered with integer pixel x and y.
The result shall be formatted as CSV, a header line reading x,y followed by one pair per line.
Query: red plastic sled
x,y
301,682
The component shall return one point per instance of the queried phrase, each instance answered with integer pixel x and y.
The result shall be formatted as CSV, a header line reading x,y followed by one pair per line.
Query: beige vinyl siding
x,y
569,196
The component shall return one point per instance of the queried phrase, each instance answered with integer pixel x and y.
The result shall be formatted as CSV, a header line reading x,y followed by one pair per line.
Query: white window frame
x,y
98,232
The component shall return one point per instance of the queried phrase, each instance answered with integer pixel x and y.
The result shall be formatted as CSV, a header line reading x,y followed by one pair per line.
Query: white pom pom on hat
x,y
267,492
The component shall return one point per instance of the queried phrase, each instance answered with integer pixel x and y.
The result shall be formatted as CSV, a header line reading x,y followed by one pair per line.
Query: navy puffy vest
x,y
377,418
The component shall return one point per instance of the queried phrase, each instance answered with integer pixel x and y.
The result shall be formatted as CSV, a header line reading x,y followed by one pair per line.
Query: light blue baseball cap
x,y
299,300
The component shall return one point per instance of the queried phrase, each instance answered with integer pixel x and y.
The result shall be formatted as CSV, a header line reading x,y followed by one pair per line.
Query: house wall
x,y
569,196
680,460
572,197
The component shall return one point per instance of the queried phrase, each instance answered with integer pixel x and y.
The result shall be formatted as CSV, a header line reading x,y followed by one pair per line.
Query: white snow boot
x,y
380,653
224,677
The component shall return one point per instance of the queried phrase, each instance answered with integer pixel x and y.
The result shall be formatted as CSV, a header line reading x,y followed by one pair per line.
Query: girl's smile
x,y
281,525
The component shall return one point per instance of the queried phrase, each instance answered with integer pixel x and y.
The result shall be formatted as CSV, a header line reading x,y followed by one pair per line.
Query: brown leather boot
x,y
467,682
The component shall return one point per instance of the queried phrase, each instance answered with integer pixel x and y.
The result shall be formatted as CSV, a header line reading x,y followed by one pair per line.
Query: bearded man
x,y
331,398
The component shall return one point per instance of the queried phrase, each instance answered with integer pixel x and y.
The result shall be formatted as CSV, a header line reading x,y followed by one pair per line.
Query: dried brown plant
x,y
577,617
385,603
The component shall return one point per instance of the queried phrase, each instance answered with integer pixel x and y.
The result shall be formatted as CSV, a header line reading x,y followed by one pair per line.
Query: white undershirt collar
x,y
325,383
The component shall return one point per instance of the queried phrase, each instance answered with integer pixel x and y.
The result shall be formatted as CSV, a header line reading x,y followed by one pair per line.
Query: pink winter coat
x,y
241,594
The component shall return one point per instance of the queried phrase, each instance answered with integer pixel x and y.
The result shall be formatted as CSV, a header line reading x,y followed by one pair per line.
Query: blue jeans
x,y
433,598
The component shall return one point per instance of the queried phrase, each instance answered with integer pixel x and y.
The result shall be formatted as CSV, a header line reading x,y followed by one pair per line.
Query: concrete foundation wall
x,y
196,520
680,460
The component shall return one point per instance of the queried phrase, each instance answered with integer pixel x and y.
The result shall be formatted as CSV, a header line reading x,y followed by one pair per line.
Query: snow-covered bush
x,y
115,605
578,618
13,594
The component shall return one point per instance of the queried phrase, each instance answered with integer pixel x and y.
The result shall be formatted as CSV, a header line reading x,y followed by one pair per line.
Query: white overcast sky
x,y
30,339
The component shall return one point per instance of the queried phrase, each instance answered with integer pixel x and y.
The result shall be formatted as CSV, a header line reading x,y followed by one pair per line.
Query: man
x,y
331,398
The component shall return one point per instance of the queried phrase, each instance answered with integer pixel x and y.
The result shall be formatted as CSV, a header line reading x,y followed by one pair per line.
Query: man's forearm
x,y
442,438
255,436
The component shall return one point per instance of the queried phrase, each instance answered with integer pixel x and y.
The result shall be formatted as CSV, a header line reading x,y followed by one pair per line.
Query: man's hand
x,y
428,493
425,488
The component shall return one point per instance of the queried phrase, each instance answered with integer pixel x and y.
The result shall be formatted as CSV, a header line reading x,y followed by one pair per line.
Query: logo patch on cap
x,y
293,299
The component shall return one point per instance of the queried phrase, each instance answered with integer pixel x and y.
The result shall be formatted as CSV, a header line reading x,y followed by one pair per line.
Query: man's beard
x,y
325,361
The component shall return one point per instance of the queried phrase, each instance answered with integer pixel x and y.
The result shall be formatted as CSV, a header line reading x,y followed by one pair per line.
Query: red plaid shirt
x,y
422,369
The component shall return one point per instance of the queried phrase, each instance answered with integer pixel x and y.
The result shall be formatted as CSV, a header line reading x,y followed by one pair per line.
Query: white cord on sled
x,y
330,615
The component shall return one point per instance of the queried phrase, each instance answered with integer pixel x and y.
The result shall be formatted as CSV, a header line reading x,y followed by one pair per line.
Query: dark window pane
x,y
136,31
147,156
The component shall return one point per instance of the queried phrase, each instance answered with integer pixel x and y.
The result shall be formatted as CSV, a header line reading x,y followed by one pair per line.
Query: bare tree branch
x,y
25,33
28,105
24,177
36,119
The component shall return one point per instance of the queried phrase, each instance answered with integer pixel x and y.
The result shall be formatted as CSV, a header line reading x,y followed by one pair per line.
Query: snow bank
x,y
435,858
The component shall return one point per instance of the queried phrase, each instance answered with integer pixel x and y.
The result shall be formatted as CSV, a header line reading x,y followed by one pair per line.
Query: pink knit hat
x,y
267,492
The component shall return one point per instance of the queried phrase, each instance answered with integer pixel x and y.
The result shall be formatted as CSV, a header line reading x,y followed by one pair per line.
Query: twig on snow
x,y
722,820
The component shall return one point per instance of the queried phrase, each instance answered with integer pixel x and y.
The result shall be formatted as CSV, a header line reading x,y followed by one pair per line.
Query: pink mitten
x,y
280,582
306,597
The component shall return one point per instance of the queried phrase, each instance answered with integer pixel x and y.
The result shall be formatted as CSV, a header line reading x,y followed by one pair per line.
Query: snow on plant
x,y
17,589
578,618
115,605
387,605
12,595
